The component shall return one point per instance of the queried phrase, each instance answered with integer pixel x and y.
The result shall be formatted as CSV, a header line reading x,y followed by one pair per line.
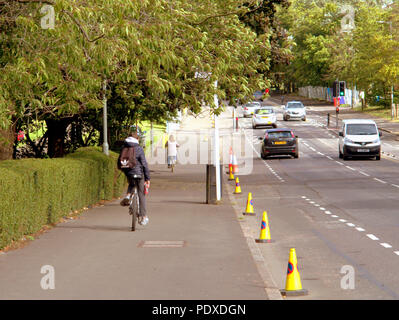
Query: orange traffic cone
x,y
264,231
231,176
293,286
230,160
235,164
249,211
238,187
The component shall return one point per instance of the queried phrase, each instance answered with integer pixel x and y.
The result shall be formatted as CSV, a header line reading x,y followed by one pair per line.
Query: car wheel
x,y
378,157
340,154
345,157
284,118
304,119
262,156
253,127
296,155
274,126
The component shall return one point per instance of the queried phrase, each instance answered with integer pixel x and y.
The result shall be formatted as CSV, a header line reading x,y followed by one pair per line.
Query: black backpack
x,y
127,158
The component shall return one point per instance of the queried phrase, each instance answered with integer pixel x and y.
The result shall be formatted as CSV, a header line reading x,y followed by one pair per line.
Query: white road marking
x,y
339,163
322,209
363,173
334,216
330,158
395,185
376,179
350,168
372,237
396,252
350,224
360,229
386,245
342,220
327,212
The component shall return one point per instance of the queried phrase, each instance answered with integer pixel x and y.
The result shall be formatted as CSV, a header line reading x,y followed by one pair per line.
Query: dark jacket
x,y
141,167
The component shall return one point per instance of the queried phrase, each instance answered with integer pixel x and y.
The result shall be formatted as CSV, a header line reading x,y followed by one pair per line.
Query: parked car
x,y
249,108
359,138
294,110
279,142
265,116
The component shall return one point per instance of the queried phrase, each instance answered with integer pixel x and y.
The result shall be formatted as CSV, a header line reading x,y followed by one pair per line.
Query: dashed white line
x,y
396,252
364,173
342,220
339,163
372,237
360,229
328,157
386,245
379,180
350,168
395,185
327,212
350,224
334,216
322,209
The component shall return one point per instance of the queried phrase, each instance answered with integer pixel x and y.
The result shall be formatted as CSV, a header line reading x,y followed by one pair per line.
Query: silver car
x,y
265,116
249,108
294,110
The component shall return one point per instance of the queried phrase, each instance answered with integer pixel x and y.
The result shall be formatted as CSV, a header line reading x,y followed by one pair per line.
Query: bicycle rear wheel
x,y
134,210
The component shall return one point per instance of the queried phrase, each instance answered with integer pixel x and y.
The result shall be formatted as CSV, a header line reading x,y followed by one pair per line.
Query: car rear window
x,y
361,129
264,111
280,134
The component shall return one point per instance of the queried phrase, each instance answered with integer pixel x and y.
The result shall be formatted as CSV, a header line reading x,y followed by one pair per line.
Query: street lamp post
x,y
392,86
105,125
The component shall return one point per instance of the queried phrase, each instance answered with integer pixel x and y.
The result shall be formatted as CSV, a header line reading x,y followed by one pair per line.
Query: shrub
x,y
36,192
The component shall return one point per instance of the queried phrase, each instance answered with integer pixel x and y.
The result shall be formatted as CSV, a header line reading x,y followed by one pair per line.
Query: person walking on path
x,y
135,166
172,146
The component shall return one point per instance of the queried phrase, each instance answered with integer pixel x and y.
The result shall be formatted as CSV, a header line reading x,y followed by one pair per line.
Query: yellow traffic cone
x,y
231,176
238,187
264,231
249,211
293,286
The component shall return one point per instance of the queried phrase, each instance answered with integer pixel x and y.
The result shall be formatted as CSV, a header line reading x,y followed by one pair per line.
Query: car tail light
x,y
292,134
266,135
245,108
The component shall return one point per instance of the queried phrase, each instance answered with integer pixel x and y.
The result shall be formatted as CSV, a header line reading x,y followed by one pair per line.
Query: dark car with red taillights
x,y
277,142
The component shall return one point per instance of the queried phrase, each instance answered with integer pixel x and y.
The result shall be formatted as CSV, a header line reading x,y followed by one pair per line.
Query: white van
x,y
359,138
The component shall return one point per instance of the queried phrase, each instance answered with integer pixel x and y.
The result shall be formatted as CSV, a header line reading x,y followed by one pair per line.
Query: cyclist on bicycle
x,y
141,170
172,146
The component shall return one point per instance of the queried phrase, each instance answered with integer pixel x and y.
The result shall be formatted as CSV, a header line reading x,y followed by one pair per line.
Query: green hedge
x,y
36,192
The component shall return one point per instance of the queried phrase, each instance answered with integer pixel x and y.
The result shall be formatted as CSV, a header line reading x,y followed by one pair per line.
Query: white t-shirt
x,y
172,148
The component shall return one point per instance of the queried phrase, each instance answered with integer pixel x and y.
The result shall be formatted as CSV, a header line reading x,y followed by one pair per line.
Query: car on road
x,y
359,138
280,141
294,110
249,108
265,116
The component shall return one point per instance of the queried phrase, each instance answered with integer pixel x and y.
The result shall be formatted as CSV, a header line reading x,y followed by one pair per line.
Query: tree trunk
x,y
56,137
7,138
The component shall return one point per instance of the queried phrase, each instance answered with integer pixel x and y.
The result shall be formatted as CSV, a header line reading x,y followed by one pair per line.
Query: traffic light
x,y
342,88
335,89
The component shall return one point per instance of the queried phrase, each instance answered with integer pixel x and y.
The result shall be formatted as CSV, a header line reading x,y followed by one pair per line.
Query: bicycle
x,y
134,203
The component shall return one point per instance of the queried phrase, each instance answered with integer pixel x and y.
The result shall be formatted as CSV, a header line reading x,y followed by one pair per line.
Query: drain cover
x,y
162,244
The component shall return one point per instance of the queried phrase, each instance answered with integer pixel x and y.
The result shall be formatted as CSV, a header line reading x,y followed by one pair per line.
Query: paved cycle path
x,y
98,257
